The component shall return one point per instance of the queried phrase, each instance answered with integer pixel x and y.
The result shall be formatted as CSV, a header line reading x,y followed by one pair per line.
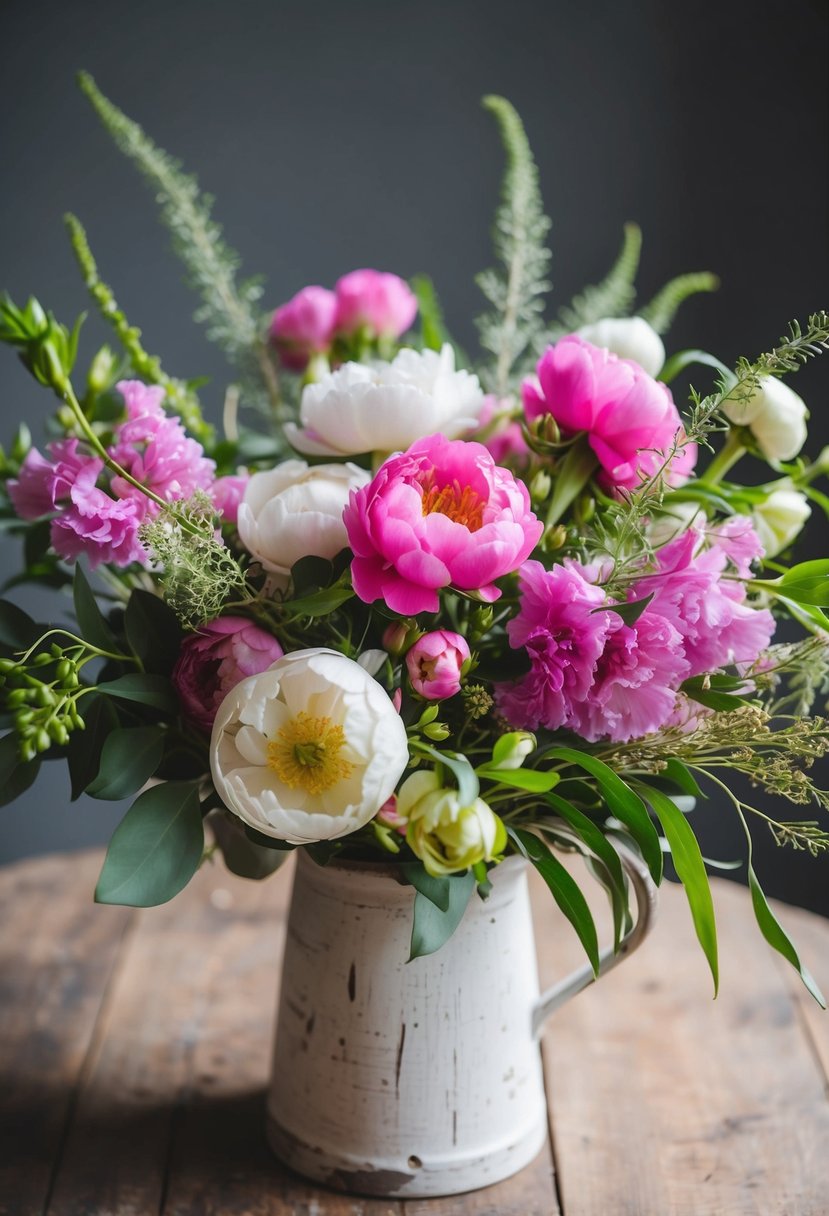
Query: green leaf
x,y
564,888
17,629
153,690
432,887
629,612
708,691
318,603
614,296
433,331
662,309
596,841
504,746
85,747
679,775
690,869
91,623
622,802
153,632
459,766
16,775
156,848
521,778
431,927
776,936
129,758
242,855
807,583
687,358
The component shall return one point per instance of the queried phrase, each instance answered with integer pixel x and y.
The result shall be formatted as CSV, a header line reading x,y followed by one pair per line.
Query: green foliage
x,y
46,348
154,691
228,305
564,888
662,309
433,332
432,926
155,849
92,626
180,398
153,632
513,331
614,296
129,758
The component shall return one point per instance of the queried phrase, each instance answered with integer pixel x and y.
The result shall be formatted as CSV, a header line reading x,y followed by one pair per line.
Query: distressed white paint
x,y
411,1079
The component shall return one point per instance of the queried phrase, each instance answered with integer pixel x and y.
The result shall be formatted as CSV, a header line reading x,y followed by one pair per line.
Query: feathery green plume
x,y
228,306
513,330
180,398
614,296
663,307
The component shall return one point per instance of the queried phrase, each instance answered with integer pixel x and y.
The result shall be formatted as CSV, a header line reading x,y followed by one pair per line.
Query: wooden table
x,y
135,1051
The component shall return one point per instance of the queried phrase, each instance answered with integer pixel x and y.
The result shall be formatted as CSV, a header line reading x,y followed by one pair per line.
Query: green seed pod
x,y
58,732
7,666
17,697
42,660
44,696
23,718
42,740
64,669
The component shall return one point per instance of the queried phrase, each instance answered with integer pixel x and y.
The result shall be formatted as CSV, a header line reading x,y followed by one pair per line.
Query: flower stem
x,y
572,475
727,456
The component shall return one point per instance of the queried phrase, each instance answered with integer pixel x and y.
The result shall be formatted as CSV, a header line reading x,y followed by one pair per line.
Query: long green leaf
x,y
91,623
153,690
690,869
155,849
622,802
777,937
153,632
434,887
431,927
129,758
521,778
565,890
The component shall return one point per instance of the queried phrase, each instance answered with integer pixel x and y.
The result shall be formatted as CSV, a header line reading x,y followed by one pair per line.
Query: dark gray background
x,y
341,135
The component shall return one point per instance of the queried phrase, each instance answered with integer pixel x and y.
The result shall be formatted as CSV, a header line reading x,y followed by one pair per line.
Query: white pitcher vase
x,y
414,1079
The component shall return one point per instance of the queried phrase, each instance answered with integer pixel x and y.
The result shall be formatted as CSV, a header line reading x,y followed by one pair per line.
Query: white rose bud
x,y
780,519
629,338
776,417
294,511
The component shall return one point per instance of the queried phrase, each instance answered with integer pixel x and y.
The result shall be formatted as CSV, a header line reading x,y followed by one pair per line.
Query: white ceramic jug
x,y
422,1078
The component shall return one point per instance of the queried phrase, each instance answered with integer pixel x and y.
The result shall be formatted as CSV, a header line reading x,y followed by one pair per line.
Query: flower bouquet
x,y
411,612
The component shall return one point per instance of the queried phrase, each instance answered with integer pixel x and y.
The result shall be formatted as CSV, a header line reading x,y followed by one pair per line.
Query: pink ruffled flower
x,y
217,658
373,300
700,591
304,326
43,484
630,419
227,493
434,664
156,450
564,635
440,514
101,528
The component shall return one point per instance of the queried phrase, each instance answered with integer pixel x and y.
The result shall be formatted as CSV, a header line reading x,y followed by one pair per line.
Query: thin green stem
x,y
728,455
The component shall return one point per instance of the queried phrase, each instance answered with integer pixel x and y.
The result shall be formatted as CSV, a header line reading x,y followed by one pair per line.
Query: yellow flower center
x,y
306,754
460,503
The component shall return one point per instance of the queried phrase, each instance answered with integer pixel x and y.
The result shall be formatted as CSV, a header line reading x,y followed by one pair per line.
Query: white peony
x,y
629,338
776,417
386,407
309,749
294,511
780,519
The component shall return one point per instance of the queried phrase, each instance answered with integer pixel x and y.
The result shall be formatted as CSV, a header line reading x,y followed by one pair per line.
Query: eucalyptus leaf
x,y
431,927
129,758
242,855
434,888
565,890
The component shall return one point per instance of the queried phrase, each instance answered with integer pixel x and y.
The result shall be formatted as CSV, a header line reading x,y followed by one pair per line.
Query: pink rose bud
x,y
435,662
390,817
304,326
217,658
371,299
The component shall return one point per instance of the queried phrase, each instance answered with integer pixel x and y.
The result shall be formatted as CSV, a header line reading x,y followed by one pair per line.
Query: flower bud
x,y
438,731
629,338
102,371
540,486
775,415
434,664
554,538
511,750
304,326
372,300
445,834
780,519
400,635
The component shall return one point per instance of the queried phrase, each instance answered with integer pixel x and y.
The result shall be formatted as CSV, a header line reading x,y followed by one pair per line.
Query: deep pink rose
x,y
440,514
304,326
42,484
382,303
214,660
434,664
630,418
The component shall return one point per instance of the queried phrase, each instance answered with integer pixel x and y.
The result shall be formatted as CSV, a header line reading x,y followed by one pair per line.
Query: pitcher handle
x,y
646,899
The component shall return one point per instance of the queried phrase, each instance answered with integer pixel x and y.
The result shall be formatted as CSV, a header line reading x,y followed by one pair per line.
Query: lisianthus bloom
x,y
294,511
775,415
447,835
309,750
434,664
385,407
629,338
101,528
214,660
380,303
156,450
226,494
698,587
779,519
629,418
441,514
304,326
42,485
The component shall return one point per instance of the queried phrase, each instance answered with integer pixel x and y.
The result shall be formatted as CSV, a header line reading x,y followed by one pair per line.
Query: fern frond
x,y
179,398
614,296
513,328
227,307
662,309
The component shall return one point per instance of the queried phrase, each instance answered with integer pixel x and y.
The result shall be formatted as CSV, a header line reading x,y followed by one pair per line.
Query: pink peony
x,y
440,514
43,484
373,300
156,450
304,326
500,433
434,664
217,658
630,419
564,631
104,529
227,493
